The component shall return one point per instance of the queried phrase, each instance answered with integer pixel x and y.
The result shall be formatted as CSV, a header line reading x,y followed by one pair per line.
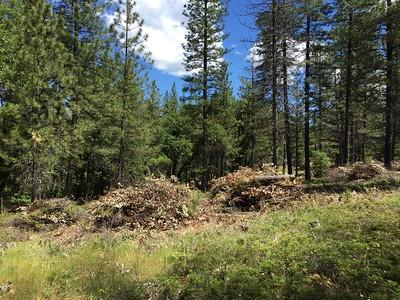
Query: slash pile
x,y
366,171
46,215
153,204
252,190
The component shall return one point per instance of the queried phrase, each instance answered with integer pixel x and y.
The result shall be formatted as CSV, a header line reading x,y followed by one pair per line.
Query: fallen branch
x,y
267,180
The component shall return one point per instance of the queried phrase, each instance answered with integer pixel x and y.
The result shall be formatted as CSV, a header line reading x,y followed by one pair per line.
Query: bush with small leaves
x,y
320,163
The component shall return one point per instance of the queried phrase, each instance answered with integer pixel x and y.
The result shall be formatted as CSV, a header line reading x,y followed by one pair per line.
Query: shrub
x,y
321,163
160,164
20,200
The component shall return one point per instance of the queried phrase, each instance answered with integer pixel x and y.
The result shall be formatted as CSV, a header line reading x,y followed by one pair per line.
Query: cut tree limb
x,y
266,180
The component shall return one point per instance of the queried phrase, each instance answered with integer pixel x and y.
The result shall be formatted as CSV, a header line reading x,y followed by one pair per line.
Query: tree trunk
x,y
205,155
122,142
307,163
297,138
287,109
284,160
320,115
71,169
253,137
349,79
388,157
36,184
274,89
394,141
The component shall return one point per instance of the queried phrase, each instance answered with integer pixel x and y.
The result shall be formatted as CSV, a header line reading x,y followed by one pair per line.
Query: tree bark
x,y
122,142
388,151
320,115
205,155
297,137
307,163
274,89
349,79
287,109
71,169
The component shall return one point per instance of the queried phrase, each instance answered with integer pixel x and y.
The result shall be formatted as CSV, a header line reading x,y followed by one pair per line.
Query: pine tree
x,y
175,139
222,124
268,68
389,134
129,46
251,122
159,163
85,41
34,84
204,54
7,13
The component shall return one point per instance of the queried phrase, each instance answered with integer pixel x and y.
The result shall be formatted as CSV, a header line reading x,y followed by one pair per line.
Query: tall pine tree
x,y
204,53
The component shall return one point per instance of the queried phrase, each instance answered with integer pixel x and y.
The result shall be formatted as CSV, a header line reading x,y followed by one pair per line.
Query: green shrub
x,y
320,163
20,200
160,164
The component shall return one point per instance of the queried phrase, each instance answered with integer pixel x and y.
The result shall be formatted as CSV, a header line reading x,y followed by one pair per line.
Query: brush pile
x,y
339,174
366,171
46,215
153,204
251,190
396,166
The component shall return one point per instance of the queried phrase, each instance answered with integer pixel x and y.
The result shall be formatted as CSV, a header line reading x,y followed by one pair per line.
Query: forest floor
x,y
329,239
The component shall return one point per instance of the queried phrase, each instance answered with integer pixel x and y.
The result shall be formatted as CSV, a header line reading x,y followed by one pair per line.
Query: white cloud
x,y
163,22
254,57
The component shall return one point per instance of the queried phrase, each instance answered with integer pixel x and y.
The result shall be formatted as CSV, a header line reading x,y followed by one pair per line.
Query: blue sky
x,y
163,23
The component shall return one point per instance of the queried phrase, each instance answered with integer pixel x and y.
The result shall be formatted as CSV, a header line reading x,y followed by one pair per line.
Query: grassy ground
x,y
337,250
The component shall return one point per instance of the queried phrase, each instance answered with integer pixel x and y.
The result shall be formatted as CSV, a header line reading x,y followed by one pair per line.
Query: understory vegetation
x,y
332,248
268,173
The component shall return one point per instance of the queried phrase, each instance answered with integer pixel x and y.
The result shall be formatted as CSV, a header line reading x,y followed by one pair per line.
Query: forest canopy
x,y
79,115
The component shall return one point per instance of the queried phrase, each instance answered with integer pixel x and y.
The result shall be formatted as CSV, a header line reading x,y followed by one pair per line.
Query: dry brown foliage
x,y
153,204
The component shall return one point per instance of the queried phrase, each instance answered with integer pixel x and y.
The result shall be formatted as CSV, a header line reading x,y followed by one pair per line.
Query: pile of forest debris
x,y
359,171
252,190
366,171
45,215
152,204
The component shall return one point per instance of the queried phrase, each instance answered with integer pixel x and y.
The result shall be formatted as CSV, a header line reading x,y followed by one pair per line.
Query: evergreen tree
x,y
9,17
175,139
129,105
34,83
222,125
251,122
268,66
390,82
158,163
85,41
204,54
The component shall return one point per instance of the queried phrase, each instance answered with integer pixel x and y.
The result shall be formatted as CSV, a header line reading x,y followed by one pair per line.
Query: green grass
x,y
324,186
346,250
